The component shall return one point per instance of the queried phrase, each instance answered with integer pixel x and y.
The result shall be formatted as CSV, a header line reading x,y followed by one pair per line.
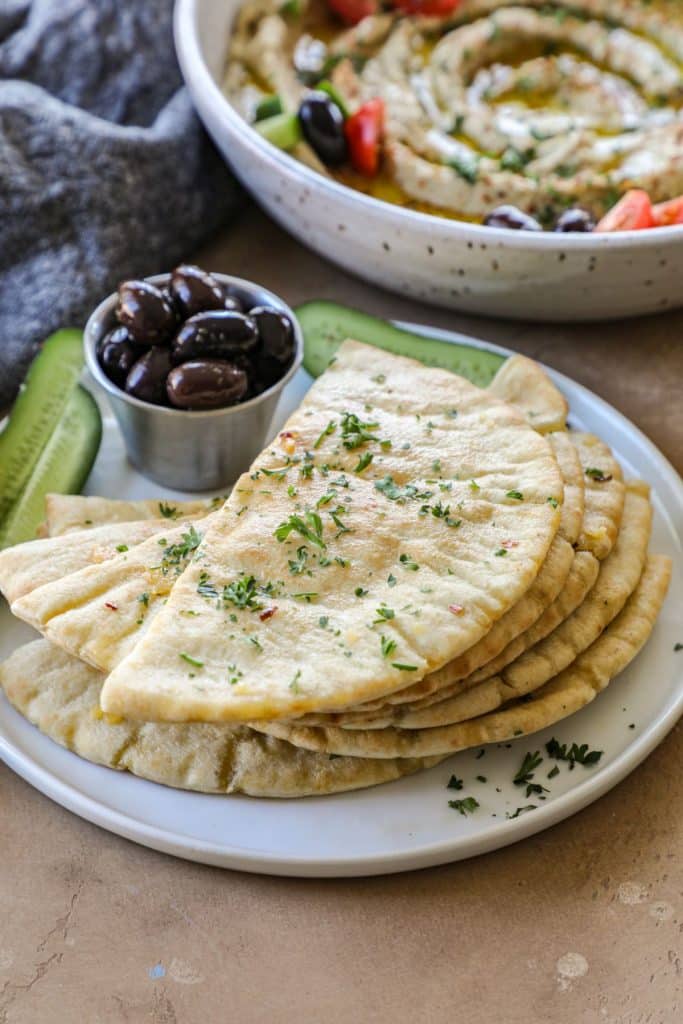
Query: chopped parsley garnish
x,y
355,433
553,501
311,528
436,466
256,642
517,495
527,769
294,685
363,462
598,475
678,647
341,526
384,614
465,806
441,511
501,552
403,668
205,588
555,770
454,783
168,511
521,810
474,486
394,492
278,474
391,580
408,563
329,429
191,661
323,621
297,566
575,754
144,599
360,592
306,595
122,547
176,554
246,591
388,646
325,499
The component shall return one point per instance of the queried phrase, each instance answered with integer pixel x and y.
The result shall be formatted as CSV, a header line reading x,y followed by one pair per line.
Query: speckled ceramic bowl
x,y
450,263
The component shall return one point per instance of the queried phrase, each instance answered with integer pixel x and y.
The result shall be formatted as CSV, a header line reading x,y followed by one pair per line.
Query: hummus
x,y
541,105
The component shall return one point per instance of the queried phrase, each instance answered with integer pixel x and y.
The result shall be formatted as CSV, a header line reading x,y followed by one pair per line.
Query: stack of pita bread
x,y
414,566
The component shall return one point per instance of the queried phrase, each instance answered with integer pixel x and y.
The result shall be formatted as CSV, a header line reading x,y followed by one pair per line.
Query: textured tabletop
x,y
583,923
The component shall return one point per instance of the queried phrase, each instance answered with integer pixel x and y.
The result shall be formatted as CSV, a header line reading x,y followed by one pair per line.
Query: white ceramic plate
x,y
405,824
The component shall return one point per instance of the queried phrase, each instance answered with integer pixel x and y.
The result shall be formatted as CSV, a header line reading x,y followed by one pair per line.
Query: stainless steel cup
x,y
192,451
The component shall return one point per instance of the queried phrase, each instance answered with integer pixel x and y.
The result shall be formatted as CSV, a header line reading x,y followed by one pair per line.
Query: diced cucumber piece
x,y
334,94
283,130
63,466
325,325
49,383
268,107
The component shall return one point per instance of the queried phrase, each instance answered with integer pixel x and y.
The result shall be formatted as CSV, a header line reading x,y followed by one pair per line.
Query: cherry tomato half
x,y
429,8
364,135
353,11
670,212
632,213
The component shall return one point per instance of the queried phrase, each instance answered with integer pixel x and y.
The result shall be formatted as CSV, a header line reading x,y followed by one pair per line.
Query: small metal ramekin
x,y
192,451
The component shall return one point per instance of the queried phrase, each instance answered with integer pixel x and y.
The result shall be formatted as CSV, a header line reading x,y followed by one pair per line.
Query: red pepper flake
x,y
456,609
112,607
509,544
267,613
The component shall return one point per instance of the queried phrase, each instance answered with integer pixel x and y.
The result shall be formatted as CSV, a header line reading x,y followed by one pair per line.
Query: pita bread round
x,y
566,693
60,695
604,485
439,490
523,383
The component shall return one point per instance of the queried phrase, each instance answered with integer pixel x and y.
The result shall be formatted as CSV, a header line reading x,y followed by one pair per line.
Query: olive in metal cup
x,y
189,450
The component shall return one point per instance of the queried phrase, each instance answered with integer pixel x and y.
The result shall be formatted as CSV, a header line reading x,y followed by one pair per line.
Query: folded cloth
x,y
105,170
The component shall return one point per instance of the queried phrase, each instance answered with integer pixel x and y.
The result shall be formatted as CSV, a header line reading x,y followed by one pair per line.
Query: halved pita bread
x,y
604,495
60,695
65,513
618,577
446,457
99,612
523,383
26,567
568,692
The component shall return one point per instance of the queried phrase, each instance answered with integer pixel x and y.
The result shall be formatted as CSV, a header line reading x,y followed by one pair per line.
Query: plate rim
x,y
430,854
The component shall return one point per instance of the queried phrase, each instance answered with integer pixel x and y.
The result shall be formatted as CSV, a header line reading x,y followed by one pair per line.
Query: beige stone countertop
x,y
582,923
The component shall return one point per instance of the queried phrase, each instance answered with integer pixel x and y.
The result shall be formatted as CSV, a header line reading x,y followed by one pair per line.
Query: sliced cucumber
x,y
283,130
325,325
49,383
63,466
269,106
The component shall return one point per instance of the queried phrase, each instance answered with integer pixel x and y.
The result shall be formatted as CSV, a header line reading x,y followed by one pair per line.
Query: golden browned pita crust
x,y
60,695
568,692
523,383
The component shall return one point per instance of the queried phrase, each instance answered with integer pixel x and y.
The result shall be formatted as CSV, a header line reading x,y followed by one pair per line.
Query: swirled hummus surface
x,y
542,105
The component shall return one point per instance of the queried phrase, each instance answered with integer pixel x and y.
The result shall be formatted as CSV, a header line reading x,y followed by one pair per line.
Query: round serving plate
x,y
405,824
527,275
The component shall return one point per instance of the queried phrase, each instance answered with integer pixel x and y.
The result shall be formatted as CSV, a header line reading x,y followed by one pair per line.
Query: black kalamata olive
x,y
206,384
116,355
322,123
511,217
217,334
146,312
194,290
146,379
576,219
276,333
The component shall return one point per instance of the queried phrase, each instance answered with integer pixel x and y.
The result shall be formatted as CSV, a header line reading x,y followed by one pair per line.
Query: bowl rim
x,y
200,80
106,307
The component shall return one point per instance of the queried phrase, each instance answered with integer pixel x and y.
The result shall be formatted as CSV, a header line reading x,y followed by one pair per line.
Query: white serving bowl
x,y
451,263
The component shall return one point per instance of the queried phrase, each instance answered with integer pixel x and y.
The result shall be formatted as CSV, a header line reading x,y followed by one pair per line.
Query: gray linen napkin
x,y
105,171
